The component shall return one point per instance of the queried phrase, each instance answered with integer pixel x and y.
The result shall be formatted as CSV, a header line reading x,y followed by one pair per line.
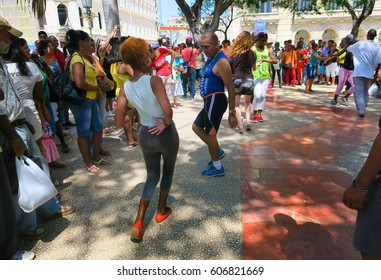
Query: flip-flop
x,y
131,146
102,162
94,170
161,217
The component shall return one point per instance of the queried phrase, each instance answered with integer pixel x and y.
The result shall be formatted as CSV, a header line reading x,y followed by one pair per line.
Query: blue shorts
x,y
322,69
211,115
87,117
310,71
367,236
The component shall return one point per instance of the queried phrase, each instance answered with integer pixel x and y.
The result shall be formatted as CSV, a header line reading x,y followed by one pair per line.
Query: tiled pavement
x,y
292,187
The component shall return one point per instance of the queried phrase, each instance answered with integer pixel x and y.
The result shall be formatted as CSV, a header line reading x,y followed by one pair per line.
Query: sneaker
x,y
64,210
222,155
255,119
23,256
344,101
321,83
213,172
335,103
260,118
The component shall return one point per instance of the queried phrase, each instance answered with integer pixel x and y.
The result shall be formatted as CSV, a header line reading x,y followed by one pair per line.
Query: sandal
x,y
174,107
93,169
131,146
102,162
248,127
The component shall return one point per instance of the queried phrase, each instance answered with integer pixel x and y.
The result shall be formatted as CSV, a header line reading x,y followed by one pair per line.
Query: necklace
x,y
208,66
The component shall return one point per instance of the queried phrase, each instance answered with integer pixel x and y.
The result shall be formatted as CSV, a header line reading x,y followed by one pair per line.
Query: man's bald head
x,y
210,36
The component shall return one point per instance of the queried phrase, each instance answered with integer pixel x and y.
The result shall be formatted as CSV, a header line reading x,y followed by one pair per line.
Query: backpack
x,y
66,89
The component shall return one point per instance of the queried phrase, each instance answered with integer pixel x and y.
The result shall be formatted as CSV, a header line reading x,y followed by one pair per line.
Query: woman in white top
x,y
158,135
28,82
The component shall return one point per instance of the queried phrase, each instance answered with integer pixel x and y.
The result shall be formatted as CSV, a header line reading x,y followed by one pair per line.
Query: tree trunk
x,y
355,28
111,14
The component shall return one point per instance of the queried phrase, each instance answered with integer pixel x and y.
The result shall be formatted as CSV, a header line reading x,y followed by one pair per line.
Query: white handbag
x,y
35,187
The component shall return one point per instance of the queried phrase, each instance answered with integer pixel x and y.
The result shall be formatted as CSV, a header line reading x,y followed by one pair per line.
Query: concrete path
x,y
280,197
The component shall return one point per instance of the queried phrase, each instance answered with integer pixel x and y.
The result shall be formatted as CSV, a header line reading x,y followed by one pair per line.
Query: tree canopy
x,y
359,10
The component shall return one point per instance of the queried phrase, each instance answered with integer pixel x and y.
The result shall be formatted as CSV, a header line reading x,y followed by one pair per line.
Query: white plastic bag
x,y
374,90
35,187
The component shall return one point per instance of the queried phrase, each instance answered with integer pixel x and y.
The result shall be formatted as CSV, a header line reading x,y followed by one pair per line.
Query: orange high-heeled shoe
x,y
136,233
161,217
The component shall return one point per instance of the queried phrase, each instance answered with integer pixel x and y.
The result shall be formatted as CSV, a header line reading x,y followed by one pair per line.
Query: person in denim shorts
x,y
87,116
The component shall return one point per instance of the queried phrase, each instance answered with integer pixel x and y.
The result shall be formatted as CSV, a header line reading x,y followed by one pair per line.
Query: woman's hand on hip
x,y
158,128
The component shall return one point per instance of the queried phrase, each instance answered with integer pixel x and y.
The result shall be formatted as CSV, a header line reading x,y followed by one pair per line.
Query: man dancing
x,y
215,75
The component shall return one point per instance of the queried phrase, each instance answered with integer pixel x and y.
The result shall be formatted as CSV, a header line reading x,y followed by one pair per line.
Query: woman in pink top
x,y
160,64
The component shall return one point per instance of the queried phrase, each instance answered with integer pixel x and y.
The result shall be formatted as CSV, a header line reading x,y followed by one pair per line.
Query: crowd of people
x,y
132,81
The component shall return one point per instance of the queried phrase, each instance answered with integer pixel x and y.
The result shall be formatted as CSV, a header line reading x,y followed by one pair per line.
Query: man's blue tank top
x,y
211,83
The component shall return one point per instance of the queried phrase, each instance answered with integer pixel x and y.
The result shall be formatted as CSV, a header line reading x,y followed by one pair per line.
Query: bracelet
x,y
357,188
15,141
232,112
167,124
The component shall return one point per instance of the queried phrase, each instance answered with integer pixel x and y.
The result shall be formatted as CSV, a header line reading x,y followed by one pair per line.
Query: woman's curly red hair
x,y
133,51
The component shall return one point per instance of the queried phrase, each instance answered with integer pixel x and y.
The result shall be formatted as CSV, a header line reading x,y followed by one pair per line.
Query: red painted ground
x,y
292,187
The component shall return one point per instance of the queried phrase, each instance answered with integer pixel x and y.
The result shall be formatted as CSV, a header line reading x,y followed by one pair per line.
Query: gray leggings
x,y
153,147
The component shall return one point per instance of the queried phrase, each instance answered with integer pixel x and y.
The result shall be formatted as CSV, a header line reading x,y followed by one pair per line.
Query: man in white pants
x,y
366,58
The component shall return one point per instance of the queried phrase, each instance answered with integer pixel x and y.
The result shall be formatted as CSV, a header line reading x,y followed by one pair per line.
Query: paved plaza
x,y
280,197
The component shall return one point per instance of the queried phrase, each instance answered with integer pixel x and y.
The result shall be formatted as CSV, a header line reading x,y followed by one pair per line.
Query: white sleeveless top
x,y
141,95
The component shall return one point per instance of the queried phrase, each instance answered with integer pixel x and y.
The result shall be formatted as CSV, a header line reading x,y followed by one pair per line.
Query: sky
x,y
167,8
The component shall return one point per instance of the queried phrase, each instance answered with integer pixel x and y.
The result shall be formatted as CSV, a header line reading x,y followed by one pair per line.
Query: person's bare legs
x,y
210,141
247,109
143,205
238,112
128,129
97,138
83,148
162,207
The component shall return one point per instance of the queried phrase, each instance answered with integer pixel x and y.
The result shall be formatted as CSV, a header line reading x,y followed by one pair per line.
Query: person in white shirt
x,y
366,58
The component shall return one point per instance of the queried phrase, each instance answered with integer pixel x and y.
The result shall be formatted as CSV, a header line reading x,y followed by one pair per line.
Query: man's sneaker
x,y
255,119
344,101
222,155
213,172
260,118
23,256
335,103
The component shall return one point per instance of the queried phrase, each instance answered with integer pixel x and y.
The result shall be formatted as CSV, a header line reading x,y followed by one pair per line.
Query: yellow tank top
x,y
120,79
91,73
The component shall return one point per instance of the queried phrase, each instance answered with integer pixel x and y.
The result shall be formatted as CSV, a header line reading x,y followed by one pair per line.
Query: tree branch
x,y
350,10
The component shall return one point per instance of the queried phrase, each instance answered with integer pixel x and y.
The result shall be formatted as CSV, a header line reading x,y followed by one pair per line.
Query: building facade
x,y
280,24
137,18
